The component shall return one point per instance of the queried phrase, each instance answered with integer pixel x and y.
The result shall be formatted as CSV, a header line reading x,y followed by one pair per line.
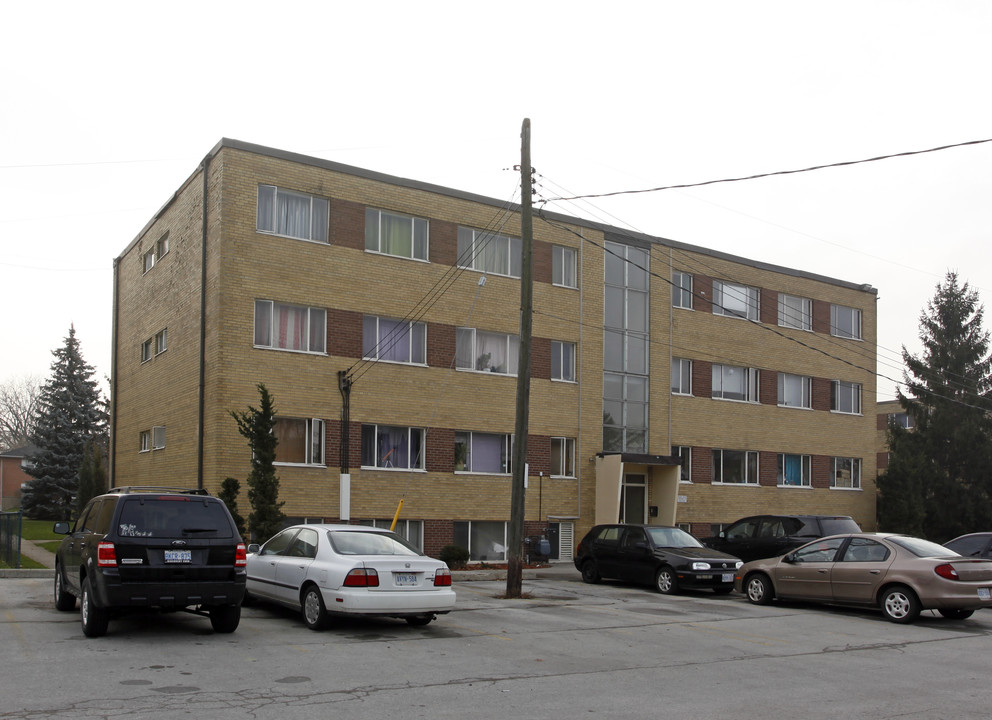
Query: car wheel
x,y
665,581
314,612
590,573
900,604
722,590
94,619
419,620
758,589
956,614
64,600
225,618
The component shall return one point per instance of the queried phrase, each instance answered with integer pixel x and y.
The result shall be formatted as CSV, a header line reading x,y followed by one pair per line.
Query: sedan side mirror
x,y
253,548
790,558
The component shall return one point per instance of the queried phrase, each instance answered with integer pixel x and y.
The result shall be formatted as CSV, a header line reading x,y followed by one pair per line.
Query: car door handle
x,y
822,571
874,572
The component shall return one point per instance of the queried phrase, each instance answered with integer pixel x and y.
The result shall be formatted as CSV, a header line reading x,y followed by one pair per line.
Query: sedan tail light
x,y
362,577
240,555
106,555
442,577
947,571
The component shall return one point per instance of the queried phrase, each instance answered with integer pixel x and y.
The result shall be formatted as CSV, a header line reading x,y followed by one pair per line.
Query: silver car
x,y
902,575
327,570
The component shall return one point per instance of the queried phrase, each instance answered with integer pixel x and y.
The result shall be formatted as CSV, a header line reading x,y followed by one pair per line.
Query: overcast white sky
x,y
107,107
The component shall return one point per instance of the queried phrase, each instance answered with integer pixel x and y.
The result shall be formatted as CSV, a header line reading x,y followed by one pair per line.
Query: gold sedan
x,y
901,575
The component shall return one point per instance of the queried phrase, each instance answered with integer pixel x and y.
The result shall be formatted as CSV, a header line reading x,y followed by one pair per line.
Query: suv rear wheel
x,y
94,619
225,618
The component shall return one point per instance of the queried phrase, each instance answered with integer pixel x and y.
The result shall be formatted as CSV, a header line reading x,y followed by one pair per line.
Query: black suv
x,y
140,547
763,536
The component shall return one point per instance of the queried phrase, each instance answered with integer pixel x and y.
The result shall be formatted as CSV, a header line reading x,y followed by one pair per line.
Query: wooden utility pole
x,y
514,572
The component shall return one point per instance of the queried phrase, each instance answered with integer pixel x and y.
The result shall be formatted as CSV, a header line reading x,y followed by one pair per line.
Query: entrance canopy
x,y
662,474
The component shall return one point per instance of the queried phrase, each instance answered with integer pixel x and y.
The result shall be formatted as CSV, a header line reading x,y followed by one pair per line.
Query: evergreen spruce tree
x,y
92,475
71,414
938,482
257,425
229,491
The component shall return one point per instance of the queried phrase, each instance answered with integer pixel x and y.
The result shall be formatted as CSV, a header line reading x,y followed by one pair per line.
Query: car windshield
x,y
369,543
672,537
922,548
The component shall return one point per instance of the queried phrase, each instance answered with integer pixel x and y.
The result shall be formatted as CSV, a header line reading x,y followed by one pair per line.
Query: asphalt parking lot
x,y
565,648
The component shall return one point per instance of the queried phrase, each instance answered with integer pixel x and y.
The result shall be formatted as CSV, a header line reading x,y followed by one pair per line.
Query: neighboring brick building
x,y
13,475
884,412
644,350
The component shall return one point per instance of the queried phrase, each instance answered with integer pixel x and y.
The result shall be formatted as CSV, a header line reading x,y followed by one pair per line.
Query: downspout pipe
x,y
112,451
203,326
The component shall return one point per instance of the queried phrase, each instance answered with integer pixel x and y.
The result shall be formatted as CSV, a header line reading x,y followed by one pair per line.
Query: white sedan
x,y
326,570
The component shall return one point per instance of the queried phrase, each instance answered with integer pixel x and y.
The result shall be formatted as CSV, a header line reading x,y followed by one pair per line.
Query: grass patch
x,y
38,530
26,564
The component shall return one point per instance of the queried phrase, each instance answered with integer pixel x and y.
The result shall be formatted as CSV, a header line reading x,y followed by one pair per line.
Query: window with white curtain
x,y
562,361
483,452
386,446
398,341
486,351
290,327
794,390
735,300
394,234
489,252
795,312
292,214
731,382
301,441
563,266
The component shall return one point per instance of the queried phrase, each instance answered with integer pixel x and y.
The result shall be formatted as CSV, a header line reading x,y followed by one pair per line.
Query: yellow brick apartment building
x,y
670,384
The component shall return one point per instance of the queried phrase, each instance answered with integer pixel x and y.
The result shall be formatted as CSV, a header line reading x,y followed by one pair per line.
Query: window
x,y
795,312
161,342
148,260
681,376
486,351
489,252
162,246
562,457
865,550
625,413
291,214
144,441
681,290
794,390
794,470
684,454
146,350
562,361
735,383
482,452
158,437
903,420
384,446
735,300
846,473
290,327
738,467
845,397
486,541
845,322
563,266
301,442
394,340
393,234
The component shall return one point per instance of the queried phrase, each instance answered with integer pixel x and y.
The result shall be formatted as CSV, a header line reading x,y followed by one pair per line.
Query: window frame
x,y
684,452
415,461
753,389
270,333
855,470
419,247
161,341
416,334
145,441
512,351
564,263
158,437
685,376
751,296
805,312
855,392
805,470
323,213
479,241
566,457
856,318
147,350
463,534
506,452
314,431
805,392
559,372
748,458
680,287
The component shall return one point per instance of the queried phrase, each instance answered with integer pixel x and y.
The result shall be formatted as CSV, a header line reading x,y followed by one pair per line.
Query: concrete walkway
x,y
36,553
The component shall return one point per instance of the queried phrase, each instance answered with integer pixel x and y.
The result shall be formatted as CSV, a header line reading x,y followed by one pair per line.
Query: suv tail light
x,y
106,555
442,577
947,571
240,555
362,577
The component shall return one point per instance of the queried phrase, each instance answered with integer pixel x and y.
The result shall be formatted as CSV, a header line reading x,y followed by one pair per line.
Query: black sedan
x,y
665,557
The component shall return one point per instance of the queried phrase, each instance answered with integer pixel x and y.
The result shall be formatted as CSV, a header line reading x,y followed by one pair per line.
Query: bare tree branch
x,y
18,406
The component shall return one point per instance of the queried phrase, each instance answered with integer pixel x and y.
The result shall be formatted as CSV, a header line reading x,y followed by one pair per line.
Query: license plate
x,y
178,556
984,594
404,578
728,577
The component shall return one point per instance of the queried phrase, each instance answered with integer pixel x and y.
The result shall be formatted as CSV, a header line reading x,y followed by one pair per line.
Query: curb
x,y
24,573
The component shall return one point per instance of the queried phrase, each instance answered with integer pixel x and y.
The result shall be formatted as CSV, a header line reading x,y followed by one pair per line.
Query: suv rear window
x,y
174,517
839,525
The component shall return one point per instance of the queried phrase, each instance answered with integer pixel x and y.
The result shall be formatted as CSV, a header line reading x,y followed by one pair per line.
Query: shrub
x,y
455,555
